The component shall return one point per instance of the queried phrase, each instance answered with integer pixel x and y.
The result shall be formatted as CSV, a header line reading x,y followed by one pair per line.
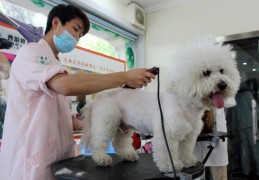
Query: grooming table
x,y
83,167
212,137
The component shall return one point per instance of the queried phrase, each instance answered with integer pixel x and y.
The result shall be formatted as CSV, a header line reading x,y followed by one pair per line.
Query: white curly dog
x,y
202,76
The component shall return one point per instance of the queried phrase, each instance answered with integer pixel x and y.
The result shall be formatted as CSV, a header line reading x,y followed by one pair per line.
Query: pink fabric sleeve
x,y
32,74
47,74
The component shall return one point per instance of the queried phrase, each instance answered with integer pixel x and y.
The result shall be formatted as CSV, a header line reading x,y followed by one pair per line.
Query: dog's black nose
x,y
222,85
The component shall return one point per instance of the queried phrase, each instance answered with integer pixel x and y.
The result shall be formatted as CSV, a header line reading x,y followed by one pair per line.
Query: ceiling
x,y
154,5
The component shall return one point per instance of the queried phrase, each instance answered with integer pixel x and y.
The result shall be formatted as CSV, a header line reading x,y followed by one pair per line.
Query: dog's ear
x,y
171,86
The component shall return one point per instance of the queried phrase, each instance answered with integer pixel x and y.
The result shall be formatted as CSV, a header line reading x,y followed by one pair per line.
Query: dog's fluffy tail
x,y
86,136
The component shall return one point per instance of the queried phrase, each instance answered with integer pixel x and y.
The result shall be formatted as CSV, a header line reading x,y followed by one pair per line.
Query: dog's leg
x,y
161,156
123,146
160,152
186,151
187,146
176,130
105,122
101,135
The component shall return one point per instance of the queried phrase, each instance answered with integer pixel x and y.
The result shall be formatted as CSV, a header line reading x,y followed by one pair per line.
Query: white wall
x,y
170,28
29,5
117,13
113,6
121,11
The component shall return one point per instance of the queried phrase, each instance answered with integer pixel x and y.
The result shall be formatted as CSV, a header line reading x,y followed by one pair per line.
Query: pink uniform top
x,y
38,126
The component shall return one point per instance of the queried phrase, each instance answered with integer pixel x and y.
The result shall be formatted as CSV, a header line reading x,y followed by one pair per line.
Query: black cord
x,y
162,121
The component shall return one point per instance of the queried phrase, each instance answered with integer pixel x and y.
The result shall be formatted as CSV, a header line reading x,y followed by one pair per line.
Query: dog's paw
x,y
178,165
102,159
189,161
167,166
129,156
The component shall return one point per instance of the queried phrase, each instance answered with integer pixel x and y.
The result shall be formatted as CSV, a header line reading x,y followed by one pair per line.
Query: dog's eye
x,y
207,73
221,71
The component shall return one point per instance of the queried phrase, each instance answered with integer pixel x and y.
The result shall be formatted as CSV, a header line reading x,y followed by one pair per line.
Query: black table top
x,y
144,168
211,136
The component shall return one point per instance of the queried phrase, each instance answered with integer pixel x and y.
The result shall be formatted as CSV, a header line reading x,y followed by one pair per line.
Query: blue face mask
x,y
65,42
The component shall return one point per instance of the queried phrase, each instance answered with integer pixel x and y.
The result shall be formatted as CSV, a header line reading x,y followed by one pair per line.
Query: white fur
x,y
186,97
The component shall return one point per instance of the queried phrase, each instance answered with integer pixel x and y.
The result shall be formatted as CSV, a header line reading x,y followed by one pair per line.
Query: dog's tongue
x,y
218,100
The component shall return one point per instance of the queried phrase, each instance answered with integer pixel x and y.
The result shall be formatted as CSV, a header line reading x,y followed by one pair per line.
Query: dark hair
x,y
65,13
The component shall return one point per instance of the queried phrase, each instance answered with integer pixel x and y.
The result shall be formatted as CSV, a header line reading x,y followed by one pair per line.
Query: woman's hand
x,y
137,78
77,124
